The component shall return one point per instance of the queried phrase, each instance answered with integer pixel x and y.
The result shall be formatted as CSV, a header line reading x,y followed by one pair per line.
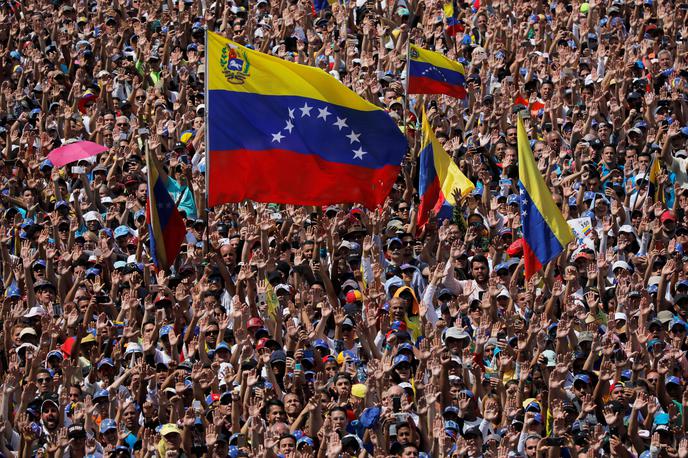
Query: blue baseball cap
x,y
393,240
139,214
13,291
93,271
107,424
121,231
588,195
654,342
105,362
304,440
445,292
450,410
582,378
223,346
678,322
101,394
534,406
512,262
451,425
321,343
56,354
513,199
400,359
673,379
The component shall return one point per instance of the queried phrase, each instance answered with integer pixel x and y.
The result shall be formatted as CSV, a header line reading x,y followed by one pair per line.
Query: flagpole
x,y
149,215
206,243
406,85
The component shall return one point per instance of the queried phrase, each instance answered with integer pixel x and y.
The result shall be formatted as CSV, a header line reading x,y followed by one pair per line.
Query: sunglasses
x,y
43,380
122,124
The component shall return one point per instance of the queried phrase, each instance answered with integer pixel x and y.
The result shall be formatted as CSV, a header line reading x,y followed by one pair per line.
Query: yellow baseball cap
x,y
359,390
170,428
88,338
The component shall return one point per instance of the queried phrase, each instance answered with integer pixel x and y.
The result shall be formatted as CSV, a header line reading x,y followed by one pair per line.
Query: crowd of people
x,y
343,331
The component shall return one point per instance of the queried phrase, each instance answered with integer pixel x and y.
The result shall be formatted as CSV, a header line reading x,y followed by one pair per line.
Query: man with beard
x,y
474,288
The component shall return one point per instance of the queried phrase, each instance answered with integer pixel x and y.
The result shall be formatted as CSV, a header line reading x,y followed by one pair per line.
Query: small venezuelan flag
x,y
432,73
545,231
166,227
439,176
454,24
287,133
655,171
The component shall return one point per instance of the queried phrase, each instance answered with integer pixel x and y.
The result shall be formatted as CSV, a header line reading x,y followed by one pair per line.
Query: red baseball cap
x,y
255,322
261,343
668,215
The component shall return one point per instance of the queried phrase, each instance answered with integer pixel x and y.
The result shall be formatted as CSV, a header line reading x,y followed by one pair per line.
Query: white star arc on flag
x,y
323,113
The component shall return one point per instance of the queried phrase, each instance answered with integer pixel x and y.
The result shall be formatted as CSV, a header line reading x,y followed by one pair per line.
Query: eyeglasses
x,y
122,124
43,380
140,97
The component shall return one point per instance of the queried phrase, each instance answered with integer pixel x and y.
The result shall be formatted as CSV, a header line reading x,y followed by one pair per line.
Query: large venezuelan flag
x,y
439,176
432,73
166,227
545,231
287,133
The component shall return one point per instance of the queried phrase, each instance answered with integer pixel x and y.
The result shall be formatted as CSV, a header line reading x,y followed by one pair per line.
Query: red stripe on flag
x,y
422,85
282,176
532,263
429,202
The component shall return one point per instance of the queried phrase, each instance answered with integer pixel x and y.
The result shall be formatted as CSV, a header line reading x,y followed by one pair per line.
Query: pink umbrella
x,y
71,152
